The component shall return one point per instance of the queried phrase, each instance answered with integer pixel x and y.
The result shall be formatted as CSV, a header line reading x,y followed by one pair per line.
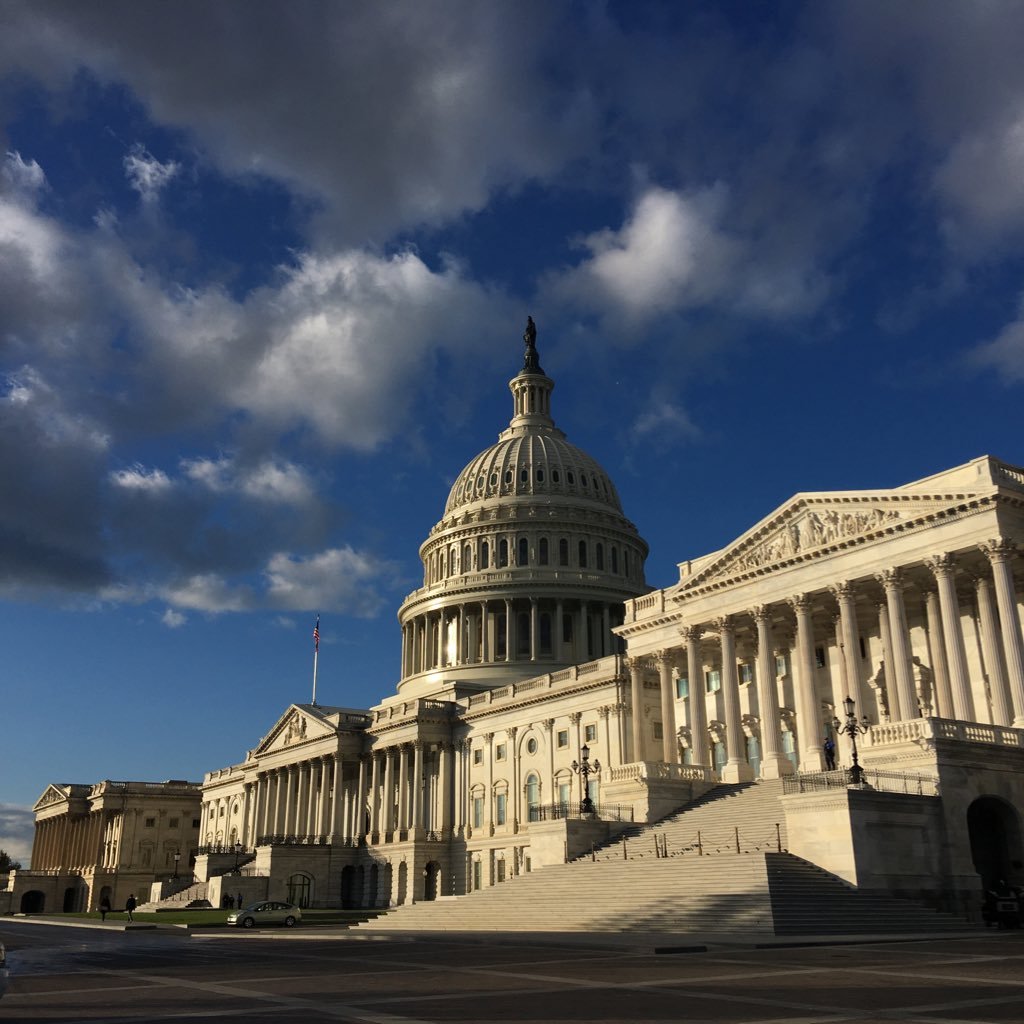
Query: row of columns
x,y
953,695
429,640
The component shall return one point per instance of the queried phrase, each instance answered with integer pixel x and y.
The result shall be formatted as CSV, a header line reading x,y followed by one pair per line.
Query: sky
x,y
264,273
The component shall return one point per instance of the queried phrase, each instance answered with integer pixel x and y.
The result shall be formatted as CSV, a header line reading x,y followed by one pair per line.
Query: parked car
x,y
266,912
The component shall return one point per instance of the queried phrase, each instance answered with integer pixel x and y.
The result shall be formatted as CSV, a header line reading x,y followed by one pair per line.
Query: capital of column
x,y
891,579
999,549
725,624
691,634
604,711
761,613
941,565
576,717
799,602
842,590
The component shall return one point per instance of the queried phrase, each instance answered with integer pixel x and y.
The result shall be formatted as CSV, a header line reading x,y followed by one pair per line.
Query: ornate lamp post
x,y
853,729
584,769
238,853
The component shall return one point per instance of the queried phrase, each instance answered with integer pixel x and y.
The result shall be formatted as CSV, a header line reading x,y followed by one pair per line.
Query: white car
x,y
266,912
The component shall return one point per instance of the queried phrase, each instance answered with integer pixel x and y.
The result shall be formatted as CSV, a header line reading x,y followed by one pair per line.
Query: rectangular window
x,y
151,823
499,808
499,870
563,794
819,657
478,812
478,757
780,665
659,731
499,752
195,823
746,673
478,874
712,680
563,738
590,733
172,823
682,687
863,648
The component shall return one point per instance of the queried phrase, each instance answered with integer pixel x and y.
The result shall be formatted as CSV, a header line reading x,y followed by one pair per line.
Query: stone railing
x,y
919,729
611,664
645,770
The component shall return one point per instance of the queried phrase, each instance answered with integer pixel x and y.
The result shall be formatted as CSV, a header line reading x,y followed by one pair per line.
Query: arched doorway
x,y
431,877
300,889
403,884
373,889
348,887
994,829
32,902
70,899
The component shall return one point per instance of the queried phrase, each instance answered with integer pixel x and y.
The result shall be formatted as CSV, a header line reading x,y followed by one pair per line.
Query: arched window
x,y
502,553
599,556
583,554
545,634
615,560
563,552
523,557
485,555
532,797
625,563
467,558
542,551
523,634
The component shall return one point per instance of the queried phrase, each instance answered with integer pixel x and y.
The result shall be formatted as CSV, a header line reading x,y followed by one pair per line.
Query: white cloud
x,y
22,176
271,480
17,830
1005,352
208,592
337,578
147,175
173,619
138,478
665,419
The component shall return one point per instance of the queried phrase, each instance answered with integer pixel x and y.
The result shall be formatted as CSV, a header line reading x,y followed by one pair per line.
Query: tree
x,y
6,864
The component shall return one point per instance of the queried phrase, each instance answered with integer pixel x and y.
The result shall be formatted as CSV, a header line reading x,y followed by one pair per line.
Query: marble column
x,y
1002,710
773,762
388,793
809,742
736,768
446,786
636,690
937,650
417,786
534,627
696,701
892,582
665,661
403,788
943,566
998,552
844,595
376,826
359,811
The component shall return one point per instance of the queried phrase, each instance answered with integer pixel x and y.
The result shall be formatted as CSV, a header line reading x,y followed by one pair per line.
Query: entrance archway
x,y
373,889
403,884
431,876
300,889
32,902
994,829
348,887
70,899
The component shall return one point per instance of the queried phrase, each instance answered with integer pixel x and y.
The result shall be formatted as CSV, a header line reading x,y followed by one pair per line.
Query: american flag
x,y
316,635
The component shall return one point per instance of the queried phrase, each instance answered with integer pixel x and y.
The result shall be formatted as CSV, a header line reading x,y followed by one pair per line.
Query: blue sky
x,y
264,271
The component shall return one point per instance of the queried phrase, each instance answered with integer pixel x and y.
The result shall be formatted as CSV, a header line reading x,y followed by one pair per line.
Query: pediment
x,y
811,524
53,794
295,726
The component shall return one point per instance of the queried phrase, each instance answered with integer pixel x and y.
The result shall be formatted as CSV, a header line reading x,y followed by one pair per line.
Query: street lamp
x,y
583,768
238,853
177,857
853,729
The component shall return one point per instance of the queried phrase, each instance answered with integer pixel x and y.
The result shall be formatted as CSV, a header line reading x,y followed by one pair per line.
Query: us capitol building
x,y
549,701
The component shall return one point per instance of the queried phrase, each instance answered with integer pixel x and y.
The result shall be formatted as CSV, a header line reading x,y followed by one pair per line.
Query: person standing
x,y
830,753
104,908
129,905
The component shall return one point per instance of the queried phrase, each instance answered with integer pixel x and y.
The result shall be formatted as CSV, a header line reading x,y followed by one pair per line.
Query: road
x,y
114,977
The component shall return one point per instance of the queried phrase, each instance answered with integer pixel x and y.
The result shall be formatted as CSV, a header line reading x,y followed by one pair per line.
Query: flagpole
x,y
316,654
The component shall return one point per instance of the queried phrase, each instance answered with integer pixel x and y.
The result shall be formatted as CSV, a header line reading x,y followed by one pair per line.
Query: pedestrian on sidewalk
x,y
830,754
104,908
129,905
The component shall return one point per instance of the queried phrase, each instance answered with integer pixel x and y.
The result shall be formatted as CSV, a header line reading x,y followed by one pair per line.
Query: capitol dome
x,y
528,568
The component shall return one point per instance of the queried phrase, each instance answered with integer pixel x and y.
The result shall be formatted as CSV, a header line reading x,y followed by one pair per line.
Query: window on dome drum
x,y
682,687
467,559
555,475
502,554
566,629
542,551
485,555
523,556
625,563
563,738
615,560
494,479
599,557
540,476
524,476
712,680
508,476
545,634
590,733
584,479
523,634
583,554
501,640
563,552
569,476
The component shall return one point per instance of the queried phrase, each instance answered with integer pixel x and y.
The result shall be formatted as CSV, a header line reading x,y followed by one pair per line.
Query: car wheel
x,y
247,922
289,921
